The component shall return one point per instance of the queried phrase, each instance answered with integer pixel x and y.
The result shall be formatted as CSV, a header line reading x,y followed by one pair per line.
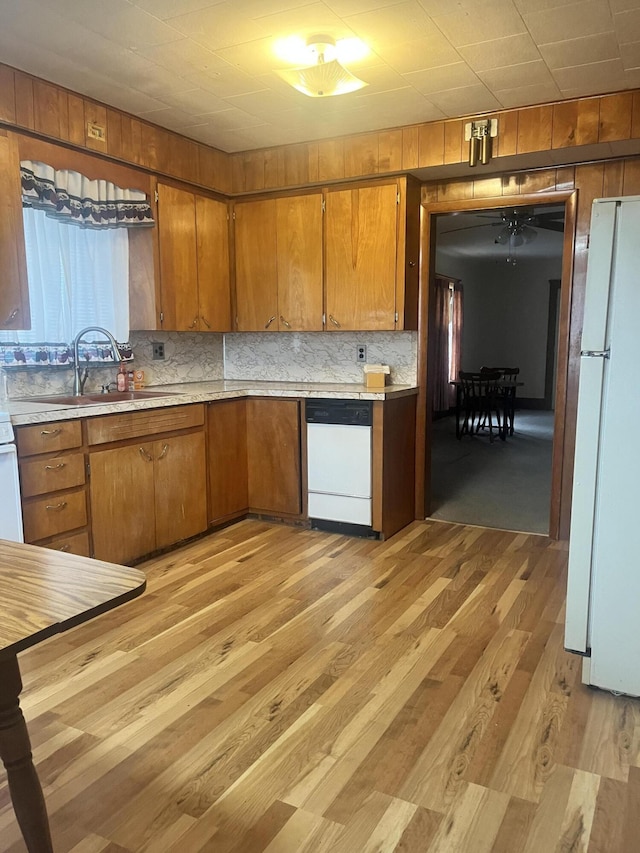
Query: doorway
x,y
509,286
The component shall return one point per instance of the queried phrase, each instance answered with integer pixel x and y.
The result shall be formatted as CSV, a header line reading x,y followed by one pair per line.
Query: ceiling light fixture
x,y
326,76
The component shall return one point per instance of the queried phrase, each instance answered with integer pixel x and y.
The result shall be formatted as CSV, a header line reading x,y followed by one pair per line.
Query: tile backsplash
x,y
279,357
318,356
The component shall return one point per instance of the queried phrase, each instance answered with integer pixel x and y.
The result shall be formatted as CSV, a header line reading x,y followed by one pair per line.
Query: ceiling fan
x,y
518,225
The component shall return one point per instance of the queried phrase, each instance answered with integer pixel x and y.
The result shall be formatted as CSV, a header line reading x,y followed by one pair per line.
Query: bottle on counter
x,y
130,384
121,378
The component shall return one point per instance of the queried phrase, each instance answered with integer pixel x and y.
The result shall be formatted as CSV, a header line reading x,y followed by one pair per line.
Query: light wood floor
x,y
289,691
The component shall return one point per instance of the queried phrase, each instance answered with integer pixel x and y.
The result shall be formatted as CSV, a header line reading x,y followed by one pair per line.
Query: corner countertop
x,y
23,412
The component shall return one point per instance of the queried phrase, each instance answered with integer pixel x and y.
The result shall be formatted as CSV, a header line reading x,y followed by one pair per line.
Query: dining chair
x,y
479,403
507,394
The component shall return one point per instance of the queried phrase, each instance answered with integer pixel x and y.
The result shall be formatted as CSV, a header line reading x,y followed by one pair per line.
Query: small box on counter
x,y
375,375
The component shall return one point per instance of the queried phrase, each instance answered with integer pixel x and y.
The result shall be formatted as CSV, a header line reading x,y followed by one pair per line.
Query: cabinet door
x,y
14,292
361,243
227,446
256,269
122,503
214,288
180,488
178,259
273,456
299,257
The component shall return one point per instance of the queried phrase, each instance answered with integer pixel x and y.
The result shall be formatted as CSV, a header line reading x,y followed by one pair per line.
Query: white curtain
x,y
77,277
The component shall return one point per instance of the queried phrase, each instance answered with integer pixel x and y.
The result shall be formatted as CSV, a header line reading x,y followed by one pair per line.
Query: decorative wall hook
x,y
479,134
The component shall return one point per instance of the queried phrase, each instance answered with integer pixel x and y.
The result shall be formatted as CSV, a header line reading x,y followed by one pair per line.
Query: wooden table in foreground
x,y
43,593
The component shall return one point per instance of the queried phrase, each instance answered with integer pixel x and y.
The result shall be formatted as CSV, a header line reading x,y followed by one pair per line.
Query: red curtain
x,y
447,342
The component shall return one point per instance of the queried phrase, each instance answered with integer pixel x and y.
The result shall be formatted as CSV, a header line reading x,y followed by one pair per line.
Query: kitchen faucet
x,y
79,378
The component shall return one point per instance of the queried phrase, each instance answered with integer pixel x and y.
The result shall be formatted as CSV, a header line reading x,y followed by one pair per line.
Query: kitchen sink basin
x,y
93,399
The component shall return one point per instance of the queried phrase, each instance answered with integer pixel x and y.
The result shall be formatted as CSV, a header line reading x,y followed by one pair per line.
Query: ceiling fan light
x,y
322,80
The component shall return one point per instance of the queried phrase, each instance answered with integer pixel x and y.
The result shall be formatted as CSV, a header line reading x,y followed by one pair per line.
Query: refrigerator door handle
x,y
596,353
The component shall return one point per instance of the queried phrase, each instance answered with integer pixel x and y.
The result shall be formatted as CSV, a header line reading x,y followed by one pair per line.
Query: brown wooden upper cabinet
x,y
371,256
14,290
194,262
278,251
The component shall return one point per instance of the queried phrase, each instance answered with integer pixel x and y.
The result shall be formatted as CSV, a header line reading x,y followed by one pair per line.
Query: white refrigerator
x,y
603,593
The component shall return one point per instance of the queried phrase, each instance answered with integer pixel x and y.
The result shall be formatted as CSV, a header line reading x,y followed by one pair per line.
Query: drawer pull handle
x,y
269,321
146,455
55,467
165,450
284,322
63,548
12,316
50,431
56,507
206,322
334,321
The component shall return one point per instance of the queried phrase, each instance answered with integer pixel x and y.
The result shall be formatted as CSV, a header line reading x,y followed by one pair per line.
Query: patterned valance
x,y
76,199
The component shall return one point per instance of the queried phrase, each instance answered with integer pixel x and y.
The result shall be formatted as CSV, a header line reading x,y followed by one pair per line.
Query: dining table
x,y
42,593
508,386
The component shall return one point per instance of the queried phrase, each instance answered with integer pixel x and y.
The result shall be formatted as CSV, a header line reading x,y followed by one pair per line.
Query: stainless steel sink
x,y
94,399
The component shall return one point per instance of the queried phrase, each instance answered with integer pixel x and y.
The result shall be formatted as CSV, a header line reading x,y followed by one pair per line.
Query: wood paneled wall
x,y
59,114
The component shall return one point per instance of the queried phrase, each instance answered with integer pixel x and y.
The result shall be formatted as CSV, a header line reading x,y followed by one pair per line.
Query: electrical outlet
x,y
361,352
158,351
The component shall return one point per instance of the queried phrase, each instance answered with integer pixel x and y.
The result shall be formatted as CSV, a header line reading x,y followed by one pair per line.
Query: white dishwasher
x,y
339,464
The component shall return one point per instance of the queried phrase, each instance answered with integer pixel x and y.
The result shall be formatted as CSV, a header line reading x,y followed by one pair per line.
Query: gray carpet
x,y
500,484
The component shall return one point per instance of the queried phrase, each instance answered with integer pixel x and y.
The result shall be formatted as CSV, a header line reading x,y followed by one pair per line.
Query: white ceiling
x,y
206,69
473,235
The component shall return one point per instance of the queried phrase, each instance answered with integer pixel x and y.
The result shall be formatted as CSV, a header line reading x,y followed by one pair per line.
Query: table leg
x,y
15,752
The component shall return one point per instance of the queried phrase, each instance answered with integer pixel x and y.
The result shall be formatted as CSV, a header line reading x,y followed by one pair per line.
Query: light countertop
x,y
23,412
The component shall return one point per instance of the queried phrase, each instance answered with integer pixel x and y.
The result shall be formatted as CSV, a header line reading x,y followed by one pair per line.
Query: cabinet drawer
x,y
77,543
54,514
43,438
138,424
39,476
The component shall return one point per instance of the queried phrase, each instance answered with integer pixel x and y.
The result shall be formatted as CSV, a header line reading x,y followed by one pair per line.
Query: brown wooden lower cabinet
x,y
227,455
148,494
273,456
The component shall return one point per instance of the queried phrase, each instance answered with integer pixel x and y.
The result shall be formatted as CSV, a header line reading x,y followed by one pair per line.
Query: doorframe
x,y
428,212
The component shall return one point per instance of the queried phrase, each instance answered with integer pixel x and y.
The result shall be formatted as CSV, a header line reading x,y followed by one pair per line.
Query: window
x,y
77,277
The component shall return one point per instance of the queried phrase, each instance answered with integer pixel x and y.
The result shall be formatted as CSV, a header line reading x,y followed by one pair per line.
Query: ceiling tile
x,y
524,74
500,53
523,96
577,20
623,5
470,100
164,9
393,25
439,79
345,8
608,76
196,102
566,54
253,57
264,103
416,55
630,54
118,21
627,26
481,22
525,6
304,20
218,26
183,57
224,84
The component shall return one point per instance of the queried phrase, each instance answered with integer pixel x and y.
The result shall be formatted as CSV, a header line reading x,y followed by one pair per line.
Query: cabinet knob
x,y
284,322
334,321
269,321
412,263
12,316
195,322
